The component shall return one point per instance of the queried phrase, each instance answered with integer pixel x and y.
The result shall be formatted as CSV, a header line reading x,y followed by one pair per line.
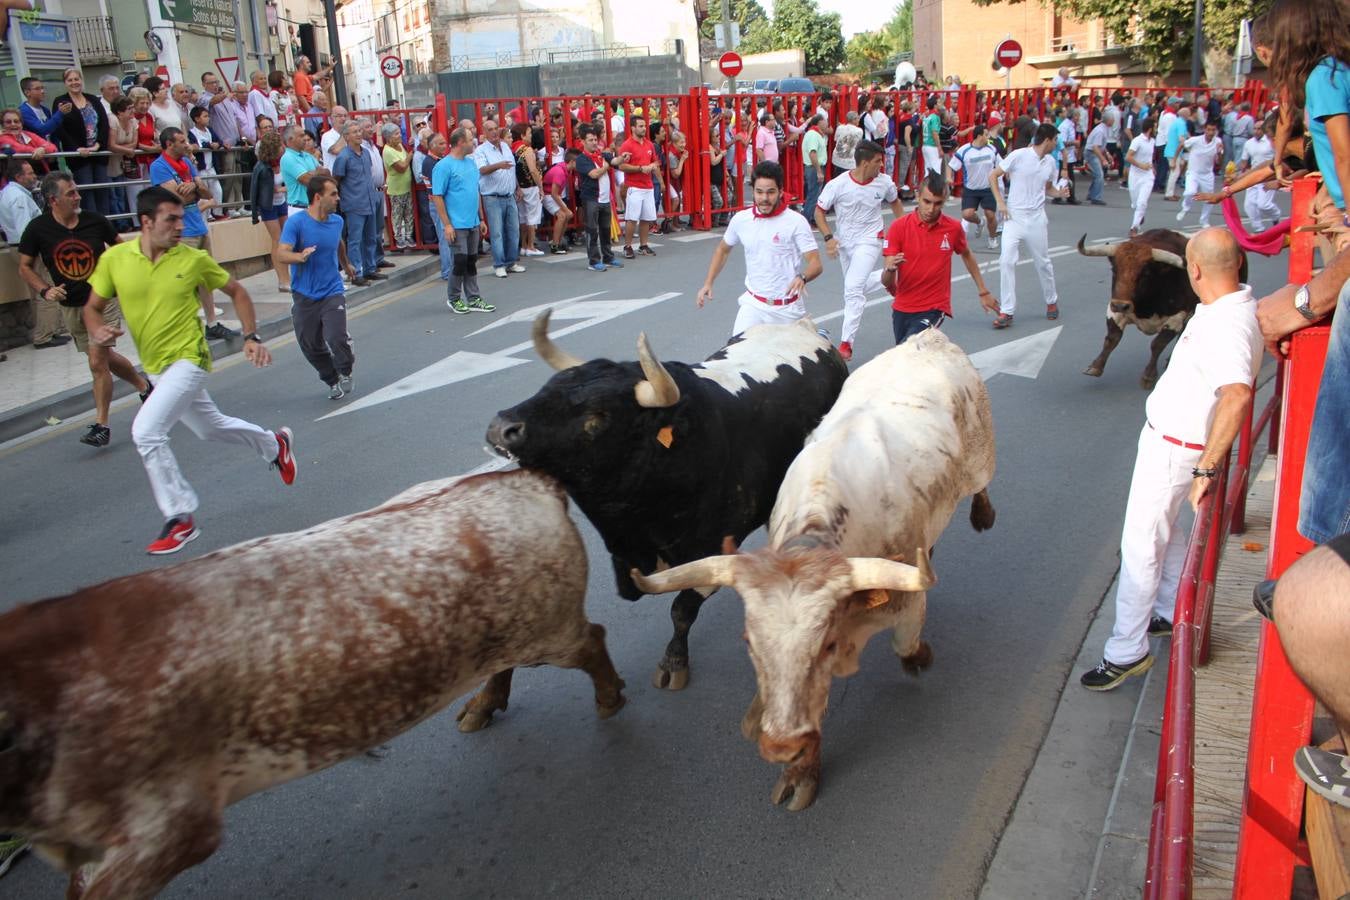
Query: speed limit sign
x,y
392,67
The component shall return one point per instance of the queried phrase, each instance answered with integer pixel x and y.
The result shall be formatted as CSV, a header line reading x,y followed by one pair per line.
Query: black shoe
x,y
47,345
384,264
1108,675
628,253
149,389
218,332
97,435
1159,627
1263,598
377,276
360,282
1073,202
645,250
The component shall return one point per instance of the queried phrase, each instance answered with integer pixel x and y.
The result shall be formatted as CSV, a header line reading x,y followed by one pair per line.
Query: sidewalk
x,y
41,385
1080,827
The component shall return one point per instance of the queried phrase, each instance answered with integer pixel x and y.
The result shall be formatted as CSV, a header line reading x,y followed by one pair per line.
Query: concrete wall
x,y
632,75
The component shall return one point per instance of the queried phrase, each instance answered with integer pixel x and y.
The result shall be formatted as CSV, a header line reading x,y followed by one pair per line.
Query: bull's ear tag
x,y
666,436
877,597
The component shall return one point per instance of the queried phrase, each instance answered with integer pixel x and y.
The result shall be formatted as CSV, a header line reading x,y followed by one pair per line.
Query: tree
x,y
800,25
899,31
866,52
1162,29
746,13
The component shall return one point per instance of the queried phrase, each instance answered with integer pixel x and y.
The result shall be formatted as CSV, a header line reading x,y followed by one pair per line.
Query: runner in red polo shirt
x,y
918,263
639,197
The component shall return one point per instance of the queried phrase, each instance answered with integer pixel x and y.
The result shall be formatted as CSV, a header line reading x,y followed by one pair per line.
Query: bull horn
x,y
1166,256
659,390
1102,250
872,573
712,571
548,351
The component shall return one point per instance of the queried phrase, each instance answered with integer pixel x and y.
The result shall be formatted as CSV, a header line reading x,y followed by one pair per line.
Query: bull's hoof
x,y
750,727
605,712
1147,383
667,680
471,720
799,791
919,660
1094,371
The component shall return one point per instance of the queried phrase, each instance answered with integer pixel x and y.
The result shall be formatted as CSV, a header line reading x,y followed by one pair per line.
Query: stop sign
x,y
1008,53
730,64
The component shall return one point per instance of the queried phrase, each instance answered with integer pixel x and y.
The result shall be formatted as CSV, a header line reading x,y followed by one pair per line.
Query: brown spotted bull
x,y
873,489
133,712
1149,289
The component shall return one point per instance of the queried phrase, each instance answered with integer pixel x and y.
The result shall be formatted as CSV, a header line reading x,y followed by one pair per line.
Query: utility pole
x,y
1197,44
726,30
335,52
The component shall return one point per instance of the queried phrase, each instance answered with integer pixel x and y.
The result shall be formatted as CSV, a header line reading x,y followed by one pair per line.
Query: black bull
x,y
668,460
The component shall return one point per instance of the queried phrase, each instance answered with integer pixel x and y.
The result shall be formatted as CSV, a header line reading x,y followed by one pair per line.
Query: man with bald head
x,y
1193,415
334,141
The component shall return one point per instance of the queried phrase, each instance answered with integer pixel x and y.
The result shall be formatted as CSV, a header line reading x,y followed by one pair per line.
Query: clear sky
x,y
857,15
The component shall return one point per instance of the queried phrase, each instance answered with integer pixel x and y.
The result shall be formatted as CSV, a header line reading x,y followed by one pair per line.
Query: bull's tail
x,y
981,511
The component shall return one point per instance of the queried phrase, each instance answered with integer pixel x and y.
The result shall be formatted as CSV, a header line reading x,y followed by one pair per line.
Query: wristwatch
x,y
827,237
1303,303
253,336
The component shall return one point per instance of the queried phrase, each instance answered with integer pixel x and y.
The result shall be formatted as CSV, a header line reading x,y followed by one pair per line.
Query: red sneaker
x,y
285,461
846,350
1052,311
177,532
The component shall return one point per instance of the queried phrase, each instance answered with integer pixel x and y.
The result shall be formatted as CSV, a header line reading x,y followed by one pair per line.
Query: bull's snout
x,y
506,434
1121,306
785,750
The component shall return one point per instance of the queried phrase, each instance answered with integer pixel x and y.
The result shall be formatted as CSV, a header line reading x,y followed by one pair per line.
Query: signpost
x,y
228,67
1008,53
392,67
217,14
730,64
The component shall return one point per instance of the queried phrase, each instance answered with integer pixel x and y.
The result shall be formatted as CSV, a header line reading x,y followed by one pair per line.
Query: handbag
x,y
130,168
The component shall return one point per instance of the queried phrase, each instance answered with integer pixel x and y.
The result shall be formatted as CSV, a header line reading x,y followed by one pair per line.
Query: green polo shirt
x,y
295,163
159,300
814,140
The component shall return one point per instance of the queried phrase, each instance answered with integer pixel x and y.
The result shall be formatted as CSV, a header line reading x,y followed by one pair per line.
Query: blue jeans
x,y
362,242
118,203
1098,177
503,228
446,250
1324,508
91,170
378,253
813,188
904,325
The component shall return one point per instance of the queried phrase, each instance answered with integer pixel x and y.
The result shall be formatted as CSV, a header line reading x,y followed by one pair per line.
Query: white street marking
x,y
1023,357
697,236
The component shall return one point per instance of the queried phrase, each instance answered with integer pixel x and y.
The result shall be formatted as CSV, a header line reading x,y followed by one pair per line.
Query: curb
x,y
77,401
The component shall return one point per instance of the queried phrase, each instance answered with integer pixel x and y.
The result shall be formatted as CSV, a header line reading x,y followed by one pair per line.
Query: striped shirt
x,y
977,162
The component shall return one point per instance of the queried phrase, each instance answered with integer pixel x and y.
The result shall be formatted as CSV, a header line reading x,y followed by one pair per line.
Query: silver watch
x,y
1303,303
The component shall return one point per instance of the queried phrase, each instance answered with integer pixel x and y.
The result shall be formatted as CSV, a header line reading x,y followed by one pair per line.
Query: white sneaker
x,y
979,227
993,243
532,251
499,271
1181,215
515,267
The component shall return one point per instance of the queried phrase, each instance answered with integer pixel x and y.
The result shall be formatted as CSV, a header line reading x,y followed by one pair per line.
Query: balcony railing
x,y
95,40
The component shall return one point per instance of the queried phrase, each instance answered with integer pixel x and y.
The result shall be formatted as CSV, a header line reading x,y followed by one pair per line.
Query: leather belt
x,y
781,302
1178,441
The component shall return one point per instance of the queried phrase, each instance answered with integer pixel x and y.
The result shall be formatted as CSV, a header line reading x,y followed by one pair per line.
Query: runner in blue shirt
x,y
311,243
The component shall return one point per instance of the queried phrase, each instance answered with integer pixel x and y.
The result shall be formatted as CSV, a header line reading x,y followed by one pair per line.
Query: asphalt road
x,y
665,799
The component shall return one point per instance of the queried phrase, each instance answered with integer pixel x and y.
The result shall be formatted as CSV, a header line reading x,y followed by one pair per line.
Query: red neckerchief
x,y
260,91
598,157
777,210
180,167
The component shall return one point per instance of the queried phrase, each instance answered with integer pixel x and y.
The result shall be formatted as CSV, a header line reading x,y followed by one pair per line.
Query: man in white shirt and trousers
x,y
1193,415
1031,175
857,198
1204,152
775,278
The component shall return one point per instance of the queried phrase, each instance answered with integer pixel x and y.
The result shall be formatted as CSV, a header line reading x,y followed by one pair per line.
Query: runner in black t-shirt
x,y
70,240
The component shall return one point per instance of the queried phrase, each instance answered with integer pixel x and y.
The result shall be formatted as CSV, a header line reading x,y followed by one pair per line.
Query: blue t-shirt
x,y
295,163
1328,95
456,182
1175,136
318,277
355,184
160,172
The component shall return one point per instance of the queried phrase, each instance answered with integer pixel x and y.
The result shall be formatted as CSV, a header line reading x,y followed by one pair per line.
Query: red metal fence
x,y
1269,844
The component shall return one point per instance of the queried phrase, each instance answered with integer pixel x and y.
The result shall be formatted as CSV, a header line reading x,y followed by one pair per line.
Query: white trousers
x,y
861,275
180,396
1030,228
1141,187
1259,203
1152,543
1173,173
754,312
932,159
1197,183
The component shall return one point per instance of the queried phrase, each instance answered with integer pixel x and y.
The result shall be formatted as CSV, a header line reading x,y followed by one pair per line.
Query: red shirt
x,y
924,280
643,154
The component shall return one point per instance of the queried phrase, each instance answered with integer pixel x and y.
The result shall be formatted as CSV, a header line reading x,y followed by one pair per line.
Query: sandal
x,y
1003,320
